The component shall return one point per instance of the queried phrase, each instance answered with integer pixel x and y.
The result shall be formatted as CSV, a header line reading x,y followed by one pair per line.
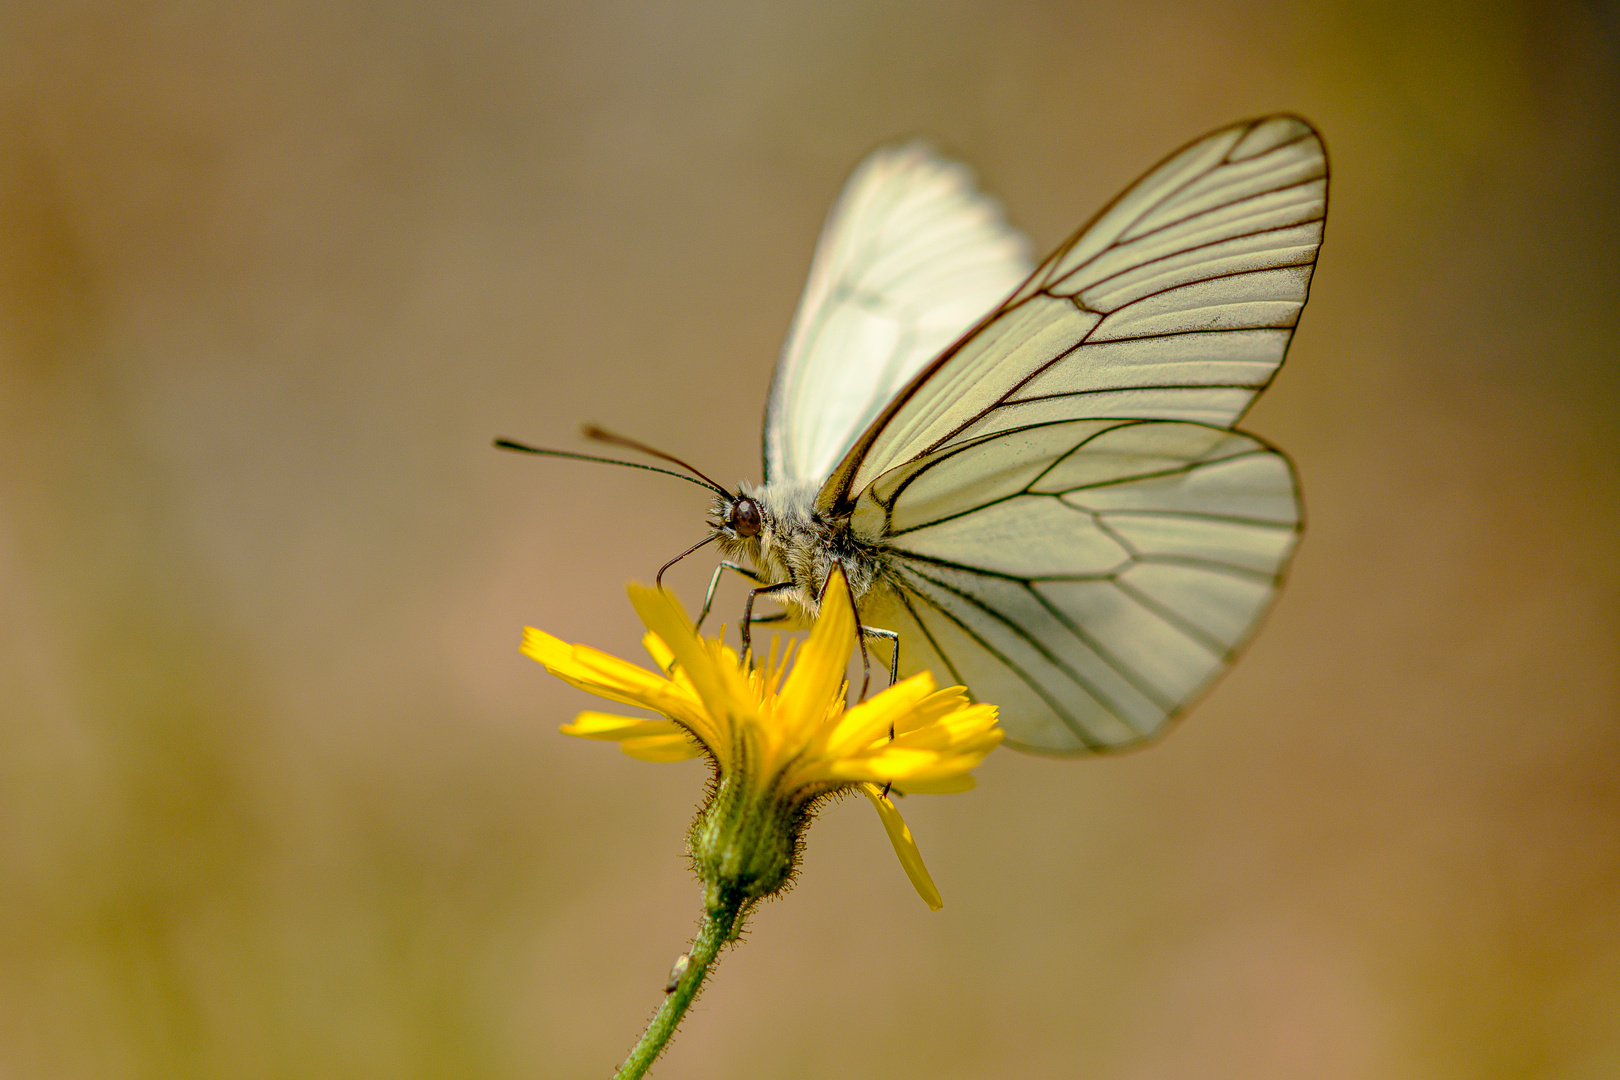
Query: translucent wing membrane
x,y
1089,577
1176,303
911,257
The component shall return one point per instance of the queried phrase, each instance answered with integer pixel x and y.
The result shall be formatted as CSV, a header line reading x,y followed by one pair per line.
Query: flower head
x,y
779,734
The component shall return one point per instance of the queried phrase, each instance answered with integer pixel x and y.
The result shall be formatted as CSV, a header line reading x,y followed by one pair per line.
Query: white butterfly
x,y
1030,477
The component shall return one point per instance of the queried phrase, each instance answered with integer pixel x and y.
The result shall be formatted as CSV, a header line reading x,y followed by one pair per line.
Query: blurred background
x,y
278,795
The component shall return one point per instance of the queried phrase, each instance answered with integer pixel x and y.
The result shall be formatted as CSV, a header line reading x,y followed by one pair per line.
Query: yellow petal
x,y
904,846
720,685
817,677
872,718
679,747
930,765
599,725
619,680
893,763
957,729
936,707
596,672
658,651
541,646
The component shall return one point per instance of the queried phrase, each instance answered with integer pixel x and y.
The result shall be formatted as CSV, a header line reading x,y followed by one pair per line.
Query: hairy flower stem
x,y
720,926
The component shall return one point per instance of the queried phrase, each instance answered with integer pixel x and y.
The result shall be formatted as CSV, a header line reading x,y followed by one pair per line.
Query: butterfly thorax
x,y
798,545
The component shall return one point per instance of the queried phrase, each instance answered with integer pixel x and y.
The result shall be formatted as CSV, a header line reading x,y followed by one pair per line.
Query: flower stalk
x,y
720,926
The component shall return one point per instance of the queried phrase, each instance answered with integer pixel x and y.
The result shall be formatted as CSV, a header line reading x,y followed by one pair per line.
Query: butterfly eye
x,y
745,517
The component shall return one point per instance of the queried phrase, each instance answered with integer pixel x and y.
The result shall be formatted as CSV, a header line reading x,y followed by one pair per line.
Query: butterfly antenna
x,y
591,431
705,482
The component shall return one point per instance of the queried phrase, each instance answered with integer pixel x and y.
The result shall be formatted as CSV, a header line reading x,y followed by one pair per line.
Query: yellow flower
x,y
781,737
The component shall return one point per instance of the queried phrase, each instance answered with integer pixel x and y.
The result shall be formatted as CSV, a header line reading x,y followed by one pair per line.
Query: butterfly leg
x,y
748,610
862,632
714,583
893,638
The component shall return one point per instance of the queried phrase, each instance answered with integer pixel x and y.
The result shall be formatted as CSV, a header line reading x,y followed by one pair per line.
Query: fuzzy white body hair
x,y
798,545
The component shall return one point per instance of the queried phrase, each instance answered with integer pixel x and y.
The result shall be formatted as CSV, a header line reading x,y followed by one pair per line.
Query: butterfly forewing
x,y
1177,303
911,257
1099,582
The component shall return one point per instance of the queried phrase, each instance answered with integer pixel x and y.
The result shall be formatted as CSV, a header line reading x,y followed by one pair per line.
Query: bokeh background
x,y
280,799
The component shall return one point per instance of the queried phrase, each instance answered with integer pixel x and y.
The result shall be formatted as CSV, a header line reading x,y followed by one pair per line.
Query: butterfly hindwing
x,y
1089,577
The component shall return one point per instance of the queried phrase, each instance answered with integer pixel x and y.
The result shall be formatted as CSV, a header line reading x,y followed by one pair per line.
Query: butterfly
x,y
1029,474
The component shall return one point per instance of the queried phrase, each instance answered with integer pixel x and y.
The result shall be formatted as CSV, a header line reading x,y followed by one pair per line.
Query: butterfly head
x,y
737,520
744,518
772,526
